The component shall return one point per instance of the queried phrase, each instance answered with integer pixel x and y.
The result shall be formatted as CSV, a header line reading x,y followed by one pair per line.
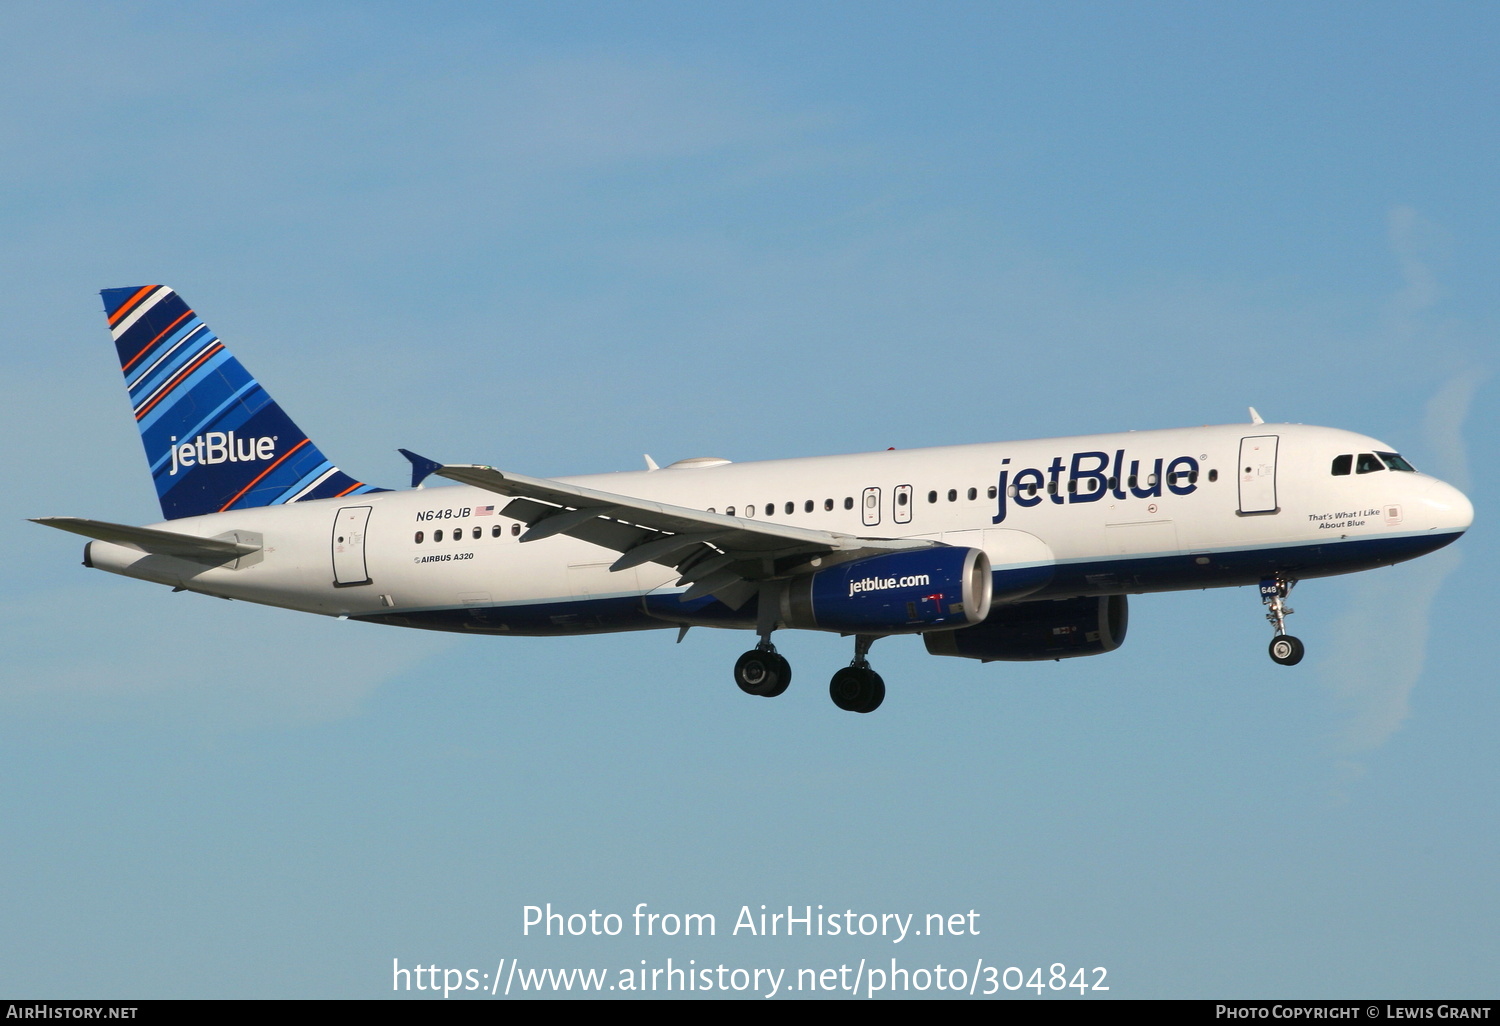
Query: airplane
x,y
996,551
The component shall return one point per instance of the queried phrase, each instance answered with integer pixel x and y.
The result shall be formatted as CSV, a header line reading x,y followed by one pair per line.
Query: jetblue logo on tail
x,y
220,447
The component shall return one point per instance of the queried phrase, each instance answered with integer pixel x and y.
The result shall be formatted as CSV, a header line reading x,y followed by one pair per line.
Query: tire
x,y
763,674
1287,650
856,689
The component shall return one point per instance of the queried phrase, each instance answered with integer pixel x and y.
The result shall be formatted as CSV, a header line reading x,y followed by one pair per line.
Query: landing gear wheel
x,y
857,689
1286,650
762,673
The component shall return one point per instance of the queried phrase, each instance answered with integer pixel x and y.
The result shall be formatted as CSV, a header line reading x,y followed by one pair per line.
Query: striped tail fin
x,y
214,439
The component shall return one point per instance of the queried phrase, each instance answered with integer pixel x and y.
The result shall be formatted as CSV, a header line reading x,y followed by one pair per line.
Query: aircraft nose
x,y
1449,508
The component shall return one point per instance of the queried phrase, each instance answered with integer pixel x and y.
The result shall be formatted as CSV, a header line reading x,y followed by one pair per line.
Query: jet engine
x,y
1039,630
904,592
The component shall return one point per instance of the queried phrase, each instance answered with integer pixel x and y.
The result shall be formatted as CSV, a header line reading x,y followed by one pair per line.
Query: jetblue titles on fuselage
x,y
1090,476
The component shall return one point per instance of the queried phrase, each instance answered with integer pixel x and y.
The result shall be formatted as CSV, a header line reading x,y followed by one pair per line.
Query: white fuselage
x,y
1124,513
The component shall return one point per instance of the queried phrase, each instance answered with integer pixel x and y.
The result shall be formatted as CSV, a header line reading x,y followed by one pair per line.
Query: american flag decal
x,y
484,511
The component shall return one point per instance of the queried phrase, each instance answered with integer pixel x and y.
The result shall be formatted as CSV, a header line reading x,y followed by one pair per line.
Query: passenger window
x,y
952,494
1052,487
437,535
827,504
515,529
419,537
901,498
791,507
807,507
770,509
848,502
932,496
1368,463
1342,465
993,492
496,531
1073,487
478,532
973,494
729,511
1213,475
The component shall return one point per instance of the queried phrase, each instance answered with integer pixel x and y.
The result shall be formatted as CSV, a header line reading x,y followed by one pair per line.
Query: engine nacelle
x,y
899,593
1039,630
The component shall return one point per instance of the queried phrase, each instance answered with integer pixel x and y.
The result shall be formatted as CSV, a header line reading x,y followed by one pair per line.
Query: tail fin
x,y
214,439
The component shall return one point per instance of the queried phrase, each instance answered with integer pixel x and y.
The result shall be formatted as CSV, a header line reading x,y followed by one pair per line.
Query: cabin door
x,y
1257,471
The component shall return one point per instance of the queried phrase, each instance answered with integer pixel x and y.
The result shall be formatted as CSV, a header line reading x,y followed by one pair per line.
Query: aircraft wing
x,y
716,554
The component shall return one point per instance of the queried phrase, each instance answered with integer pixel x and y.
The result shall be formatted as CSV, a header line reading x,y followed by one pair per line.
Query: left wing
x,y
716,554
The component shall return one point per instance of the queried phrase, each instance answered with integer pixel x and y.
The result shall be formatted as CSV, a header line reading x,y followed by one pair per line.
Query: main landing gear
x,y
762,671
856,688
1285,649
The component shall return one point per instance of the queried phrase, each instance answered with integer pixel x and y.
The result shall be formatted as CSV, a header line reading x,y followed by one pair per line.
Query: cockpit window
x,y
1342,465
1396,462
1368,463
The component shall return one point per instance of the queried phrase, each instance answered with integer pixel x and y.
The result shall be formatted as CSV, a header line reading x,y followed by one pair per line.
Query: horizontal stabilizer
x,y
147,539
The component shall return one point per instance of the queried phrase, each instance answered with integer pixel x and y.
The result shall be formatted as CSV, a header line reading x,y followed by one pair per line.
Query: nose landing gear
x,y
1285,649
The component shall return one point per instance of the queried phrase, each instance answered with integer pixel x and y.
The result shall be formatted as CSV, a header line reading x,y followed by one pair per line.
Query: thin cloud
x,y
1379,645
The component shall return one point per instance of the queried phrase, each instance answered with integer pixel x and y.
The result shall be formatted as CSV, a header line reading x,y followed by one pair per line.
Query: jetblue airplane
x,y
998,551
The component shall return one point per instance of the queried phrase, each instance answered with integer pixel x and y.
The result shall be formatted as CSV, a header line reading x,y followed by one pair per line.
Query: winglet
x,y
1255,417
421,467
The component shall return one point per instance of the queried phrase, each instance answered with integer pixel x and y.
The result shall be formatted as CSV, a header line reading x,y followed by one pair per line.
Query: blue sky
x,y
553,237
